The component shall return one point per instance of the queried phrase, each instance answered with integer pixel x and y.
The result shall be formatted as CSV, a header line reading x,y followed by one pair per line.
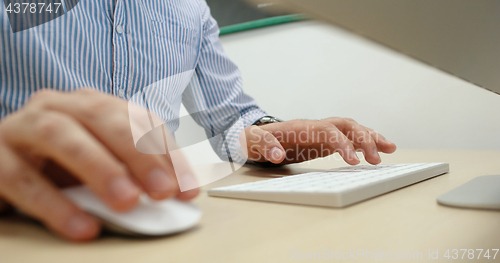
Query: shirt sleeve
x,y
215,98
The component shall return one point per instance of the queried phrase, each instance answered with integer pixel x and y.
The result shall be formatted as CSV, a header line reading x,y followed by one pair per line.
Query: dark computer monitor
x,y
233,12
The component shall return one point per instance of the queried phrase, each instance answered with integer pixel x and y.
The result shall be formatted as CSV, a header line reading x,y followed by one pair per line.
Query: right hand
x,y
58,139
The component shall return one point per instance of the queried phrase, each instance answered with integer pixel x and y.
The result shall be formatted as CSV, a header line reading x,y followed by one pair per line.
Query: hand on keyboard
x,y
302,140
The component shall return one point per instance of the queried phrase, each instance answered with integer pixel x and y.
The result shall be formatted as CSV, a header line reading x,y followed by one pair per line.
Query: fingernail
x,y
79,225
123,189
160,181
354,155
188,182
276,153
375,153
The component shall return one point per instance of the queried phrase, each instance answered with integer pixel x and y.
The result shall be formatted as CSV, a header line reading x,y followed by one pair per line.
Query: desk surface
x,y
406,220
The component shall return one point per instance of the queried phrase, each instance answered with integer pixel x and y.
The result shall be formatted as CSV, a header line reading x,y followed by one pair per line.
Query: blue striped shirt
x,y
122,46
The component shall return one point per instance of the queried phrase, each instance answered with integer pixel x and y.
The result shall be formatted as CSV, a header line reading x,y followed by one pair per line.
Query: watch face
x,y
267,119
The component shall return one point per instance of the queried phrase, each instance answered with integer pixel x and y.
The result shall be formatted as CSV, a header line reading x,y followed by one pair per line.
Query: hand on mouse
x,y
302,140
59,139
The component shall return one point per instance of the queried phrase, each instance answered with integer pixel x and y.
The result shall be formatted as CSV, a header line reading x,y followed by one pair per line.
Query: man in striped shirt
x,y
64,86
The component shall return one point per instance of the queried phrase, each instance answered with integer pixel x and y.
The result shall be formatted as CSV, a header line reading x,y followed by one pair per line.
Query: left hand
x,y
302,140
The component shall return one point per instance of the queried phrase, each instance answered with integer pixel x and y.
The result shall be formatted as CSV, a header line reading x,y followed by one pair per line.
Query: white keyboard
x,y
334,188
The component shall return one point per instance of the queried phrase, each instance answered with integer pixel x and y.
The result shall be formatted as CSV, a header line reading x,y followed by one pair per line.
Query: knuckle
x,y
327,132
367,138
95,107
121,127
122,130
76,149
40,97
326,126
331,119
335,136
374,134
297,125
350,121
377,138
47,126
87,91
42,94
361,138
105,106
100,104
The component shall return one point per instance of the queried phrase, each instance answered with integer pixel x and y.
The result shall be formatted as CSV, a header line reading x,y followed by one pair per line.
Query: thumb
x,y
262,146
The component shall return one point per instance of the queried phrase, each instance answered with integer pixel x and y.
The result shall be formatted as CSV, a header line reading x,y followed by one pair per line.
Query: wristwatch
x,y
263,121
266,120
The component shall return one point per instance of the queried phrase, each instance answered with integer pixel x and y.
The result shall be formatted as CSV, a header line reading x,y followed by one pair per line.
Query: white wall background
x,y
311,70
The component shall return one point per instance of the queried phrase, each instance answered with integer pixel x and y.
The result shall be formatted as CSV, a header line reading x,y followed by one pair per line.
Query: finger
x,y
59,137
361,139
311,133
107,118
383,144
342,145
263,145
59,176
189,194
23,187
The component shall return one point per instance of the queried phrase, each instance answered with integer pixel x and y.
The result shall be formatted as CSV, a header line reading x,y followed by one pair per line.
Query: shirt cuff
x,y
231,146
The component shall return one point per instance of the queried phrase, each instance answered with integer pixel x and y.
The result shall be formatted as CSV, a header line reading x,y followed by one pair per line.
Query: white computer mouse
x,y
150,217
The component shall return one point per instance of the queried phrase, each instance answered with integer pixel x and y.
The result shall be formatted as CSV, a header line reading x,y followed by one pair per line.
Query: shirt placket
x,y
120,51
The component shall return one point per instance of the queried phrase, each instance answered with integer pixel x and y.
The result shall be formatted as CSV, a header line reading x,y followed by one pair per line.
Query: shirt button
x,y
119,29
121,93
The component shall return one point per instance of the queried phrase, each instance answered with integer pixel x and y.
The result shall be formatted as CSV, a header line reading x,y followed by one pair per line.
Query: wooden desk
x,y
406,220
